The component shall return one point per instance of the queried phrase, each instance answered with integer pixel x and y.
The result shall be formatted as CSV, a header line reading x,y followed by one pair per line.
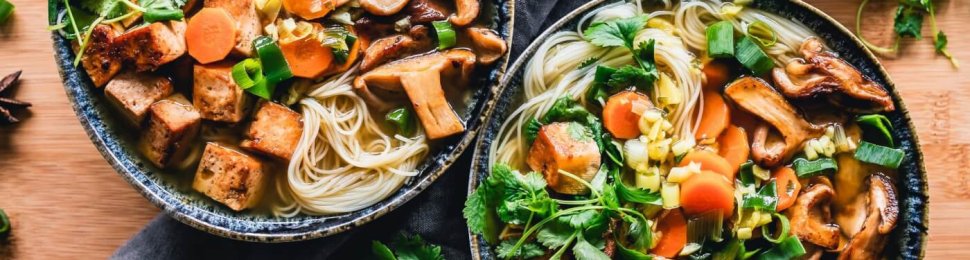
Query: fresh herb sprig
x,y
406,248
908,22
616,33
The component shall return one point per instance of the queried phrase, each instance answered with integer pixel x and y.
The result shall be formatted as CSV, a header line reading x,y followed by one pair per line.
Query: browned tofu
x,y
569,147
275,131
216,95
99,59
134,92
151,46
172,128
247,20
230,177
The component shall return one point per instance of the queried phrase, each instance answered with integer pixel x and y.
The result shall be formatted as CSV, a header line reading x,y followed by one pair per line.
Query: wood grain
x,y
66,201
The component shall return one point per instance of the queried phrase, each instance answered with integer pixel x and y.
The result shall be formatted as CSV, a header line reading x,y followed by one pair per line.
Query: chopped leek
x,y
752,57
790,248
879,155
446,34
762,34
805,168
6,10
248,75
785,228
670,192
4,225
877,129
765,199
750,171
720,40
706,226
339,39
271,57
401,120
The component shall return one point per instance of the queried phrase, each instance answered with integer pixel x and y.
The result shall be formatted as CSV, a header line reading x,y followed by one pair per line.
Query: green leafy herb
x,y
908,22
107,8
583,250
633,194
556,234
531,130
619,32
587,62
579,132
528,250
407,248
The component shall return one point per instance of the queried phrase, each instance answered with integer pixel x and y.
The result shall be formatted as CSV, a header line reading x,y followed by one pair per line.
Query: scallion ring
x,y
446,34
762,34
785,229
247,73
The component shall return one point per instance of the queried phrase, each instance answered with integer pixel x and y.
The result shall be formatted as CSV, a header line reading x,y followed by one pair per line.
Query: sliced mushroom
x,y
420,78
383,7
758,98
880,221
489,46
425,11
467,11
810,217
823,72
395,46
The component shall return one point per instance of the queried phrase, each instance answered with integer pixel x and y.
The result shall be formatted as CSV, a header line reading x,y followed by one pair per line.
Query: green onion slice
x,y
402,120
765,199
762,34
271,58
446,34
6,10
752,57
785,229
339,40
263,89
879,155
747,173
877,129
805,168
720,40
789,248
155,15
247,72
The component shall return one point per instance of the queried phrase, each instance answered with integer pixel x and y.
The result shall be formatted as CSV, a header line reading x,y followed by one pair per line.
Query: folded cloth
x,y
435,214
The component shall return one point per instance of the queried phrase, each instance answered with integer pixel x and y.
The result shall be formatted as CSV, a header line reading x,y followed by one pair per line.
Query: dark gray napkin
x,y
435,214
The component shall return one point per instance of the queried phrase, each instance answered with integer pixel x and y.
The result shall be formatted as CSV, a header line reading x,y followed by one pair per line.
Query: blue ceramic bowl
x,y
909,237
107,131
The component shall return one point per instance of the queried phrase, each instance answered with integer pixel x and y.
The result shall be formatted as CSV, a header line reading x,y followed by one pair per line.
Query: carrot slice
x,y
717,74
310,10
705,192
709,161
788,187
734,146
673,234
618,116
715,117
308,57
210,35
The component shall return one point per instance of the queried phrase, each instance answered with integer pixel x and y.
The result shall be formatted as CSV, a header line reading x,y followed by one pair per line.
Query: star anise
x,y
7,103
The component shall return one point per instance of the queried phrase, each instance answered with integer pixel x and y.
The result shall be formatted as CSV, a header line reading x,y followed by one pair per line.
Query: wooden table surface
x,y
65,201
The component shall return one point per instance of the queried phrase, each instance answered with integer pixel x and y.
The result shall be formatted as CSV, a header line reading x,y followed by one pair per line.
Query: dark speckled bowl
x,y
909,237
107,131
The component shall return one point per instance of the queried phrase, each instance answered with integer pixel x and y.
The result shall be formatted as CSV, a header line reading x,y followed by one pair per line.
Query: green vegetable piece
x,y
271,58
790,248
526,251
784,232
4,225
415,248
762,34
765,199
879,155
339,40
877,129
446,34
908,22
747,173
531,130
807,169
633,194
720,40
618,32
248,75
585,250
402,121
155,15
6,10
752,57
381,251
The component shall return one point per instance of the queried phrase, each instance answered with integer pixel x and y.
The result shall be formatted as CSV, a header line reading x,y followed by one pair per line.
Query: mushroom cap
x,y
810,217
467,11
383,7
489,46
880,220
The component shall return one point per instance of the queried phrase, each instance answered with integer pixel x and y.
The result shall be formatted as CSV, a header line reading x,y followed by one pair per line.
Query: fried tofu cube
x,y
151,46
134,92
569,147
247,20
172,128
230,177
275,131
216,94
99,59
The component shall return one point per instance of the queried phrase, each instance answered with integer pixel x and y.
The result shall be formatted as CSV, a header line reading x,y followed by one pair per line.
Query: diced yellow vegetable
x,y
649,180
659,150
670,192
744,233
679,174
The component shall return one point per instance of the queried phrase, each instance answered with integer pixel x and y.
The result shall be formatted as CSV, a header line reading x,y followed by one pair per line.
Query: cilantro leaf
x,y
633,194
581,219
555,234
644,54
940,42
632,76
531,130
619,32
908,22
381,251
587,62
579,132
107,8
162,10
526,251
475,211
583,250
415,248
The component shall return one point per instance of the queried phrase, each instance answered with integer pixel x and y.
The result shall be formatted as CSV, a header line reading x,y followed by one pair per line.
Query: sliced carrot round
x,y
788,187
709,161
210,35
734,146
307,57
618,115
310,10
715,117
706,192
673,234
716,74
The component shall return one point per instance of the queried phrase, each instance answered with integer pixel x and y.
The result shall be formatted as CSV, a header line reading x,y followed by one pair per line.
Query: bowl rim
x,y
294,230
479,153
